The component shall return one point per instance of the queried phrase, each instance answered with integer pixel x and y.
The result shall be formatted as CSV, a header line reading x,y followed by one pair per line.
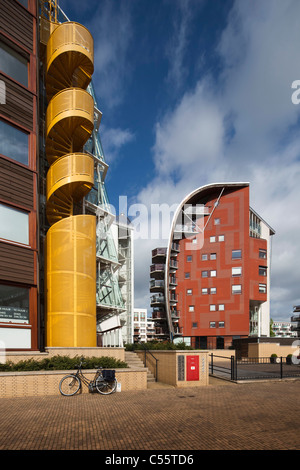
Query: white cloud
x,y
112,31
243,131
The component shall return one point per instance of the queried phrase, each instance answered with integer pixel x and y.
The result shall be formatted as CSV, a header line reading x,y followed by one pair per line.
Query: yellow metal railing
x,y
71,239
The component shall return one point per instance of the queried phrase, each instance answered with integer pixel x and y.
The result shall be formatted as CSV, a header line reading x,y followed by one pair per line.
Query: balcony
x,y
158,315
175,314
175,247
295,318
157,268
157,300
157,286
173,297
173,264
161,332
159,252
172,282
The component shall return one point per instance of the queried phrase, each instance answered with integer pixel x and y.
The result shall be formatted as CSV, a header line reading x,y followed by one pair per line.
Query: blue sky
x,y
195,92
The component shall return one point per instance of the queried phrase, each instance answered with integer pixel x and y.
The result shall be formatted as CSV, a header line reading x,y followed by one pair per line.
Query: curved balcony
x,y
70,58
69,122
157,300
157,286
69,179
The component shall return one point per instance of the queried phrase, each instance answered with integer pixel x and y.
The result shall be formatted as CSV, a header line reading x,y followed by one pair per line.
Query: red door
x,y
192,368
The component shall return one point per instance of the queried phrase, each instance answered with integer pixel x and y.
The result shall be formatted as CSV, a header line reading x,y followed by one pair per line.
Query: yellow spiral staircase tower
x,y
71,239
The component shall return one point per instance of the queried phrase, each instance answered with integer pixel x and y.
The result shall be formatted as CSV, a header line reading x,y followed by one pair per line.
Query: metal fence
x,y
253,368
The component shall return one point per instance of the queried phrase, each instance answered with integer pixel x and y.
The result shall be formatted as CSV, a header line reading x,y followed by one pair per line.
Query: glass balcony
x,y
159,252
157,299
173,264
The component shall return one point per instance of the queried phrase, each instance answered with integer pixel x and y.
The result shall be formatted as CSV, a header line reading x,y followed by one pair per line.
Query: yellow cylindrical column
x,y
71,282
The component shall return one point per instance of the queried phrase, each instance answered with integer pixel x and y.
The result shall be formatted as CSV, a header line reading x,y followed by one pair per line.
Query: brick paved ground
x,y
261,416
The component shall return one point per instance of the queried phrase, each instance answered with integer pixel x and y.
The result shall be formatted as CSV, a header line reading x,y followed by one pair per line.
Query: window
x,y
204,290
204,257
189,258
262,270
189,291
217,221
186,275
262,288
212,308
212,239
221,324
213,256
262,253
24,3
236,271
13,143
213,273
237,289
13,64
212,324
236,254
14,304
221,238
195,325
213,290
191,308
221,307
14,225
204,274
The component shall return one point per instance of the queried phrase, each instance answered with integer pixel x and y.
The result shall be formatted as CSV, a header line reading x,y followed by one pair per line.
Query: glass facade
x,y
13,64
14,225
13,143
14,304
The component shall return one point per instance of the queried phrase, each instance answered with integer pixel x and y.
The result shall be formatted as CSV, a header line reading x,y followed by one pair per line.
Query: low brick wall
x,y
43,383
266,349
172,366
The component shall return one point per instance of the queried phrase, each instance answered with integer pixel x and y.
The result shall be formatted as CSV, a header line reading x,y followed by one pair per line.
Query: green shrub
x,y
157,345
63,363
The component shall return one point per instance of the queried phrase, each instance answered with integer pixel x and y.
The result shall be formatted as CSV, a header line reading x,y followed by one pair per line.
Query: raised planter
x,y
45,383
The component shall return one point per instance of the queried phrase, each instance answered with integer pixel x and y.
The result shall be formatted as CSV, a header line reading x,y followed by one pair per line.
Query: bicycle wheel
x,y
104,387
69,385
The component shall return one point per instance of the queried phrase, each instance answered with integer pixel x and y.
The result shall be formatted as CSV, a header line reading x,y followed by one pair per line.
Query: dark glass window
x,y
236,254
13,64
13,143
14,224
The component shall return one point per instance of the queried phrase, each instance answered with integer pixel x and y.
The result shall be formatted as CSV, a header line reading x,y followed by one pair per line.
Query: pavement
x,y
222,416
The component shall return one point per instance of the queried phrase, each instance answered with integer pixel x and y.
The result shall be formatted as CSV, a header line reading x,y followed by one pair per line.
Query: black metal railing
x,y
147,351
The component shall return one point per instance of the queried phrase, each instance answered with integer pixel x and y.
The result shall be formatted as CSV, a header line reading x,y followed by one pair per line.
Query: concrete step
x,y
133,361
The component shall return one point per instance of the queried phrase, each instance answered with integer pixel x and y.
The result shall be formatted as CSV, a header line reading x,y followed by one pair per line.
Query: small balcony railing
x,y
157,268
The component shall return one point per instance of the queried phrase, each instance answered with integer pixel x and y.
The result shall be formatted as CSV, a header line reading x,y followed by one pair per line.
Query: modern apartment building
x,y
283,329
211,284
19,175
60,249
295,319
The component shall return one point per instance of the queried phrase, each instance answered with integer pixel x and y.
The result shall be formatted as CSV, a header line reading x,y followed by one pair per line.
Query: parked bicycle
x,y
103,382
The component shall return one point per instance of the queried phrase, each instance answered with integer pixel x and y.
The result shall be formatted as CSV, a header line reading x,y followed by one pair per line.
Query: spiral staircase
x,y
71,239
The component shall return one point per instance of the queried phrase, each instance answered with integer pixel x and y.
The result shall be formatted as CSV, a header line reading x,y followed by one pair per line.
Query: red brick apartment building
x,y
18,174
212,283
